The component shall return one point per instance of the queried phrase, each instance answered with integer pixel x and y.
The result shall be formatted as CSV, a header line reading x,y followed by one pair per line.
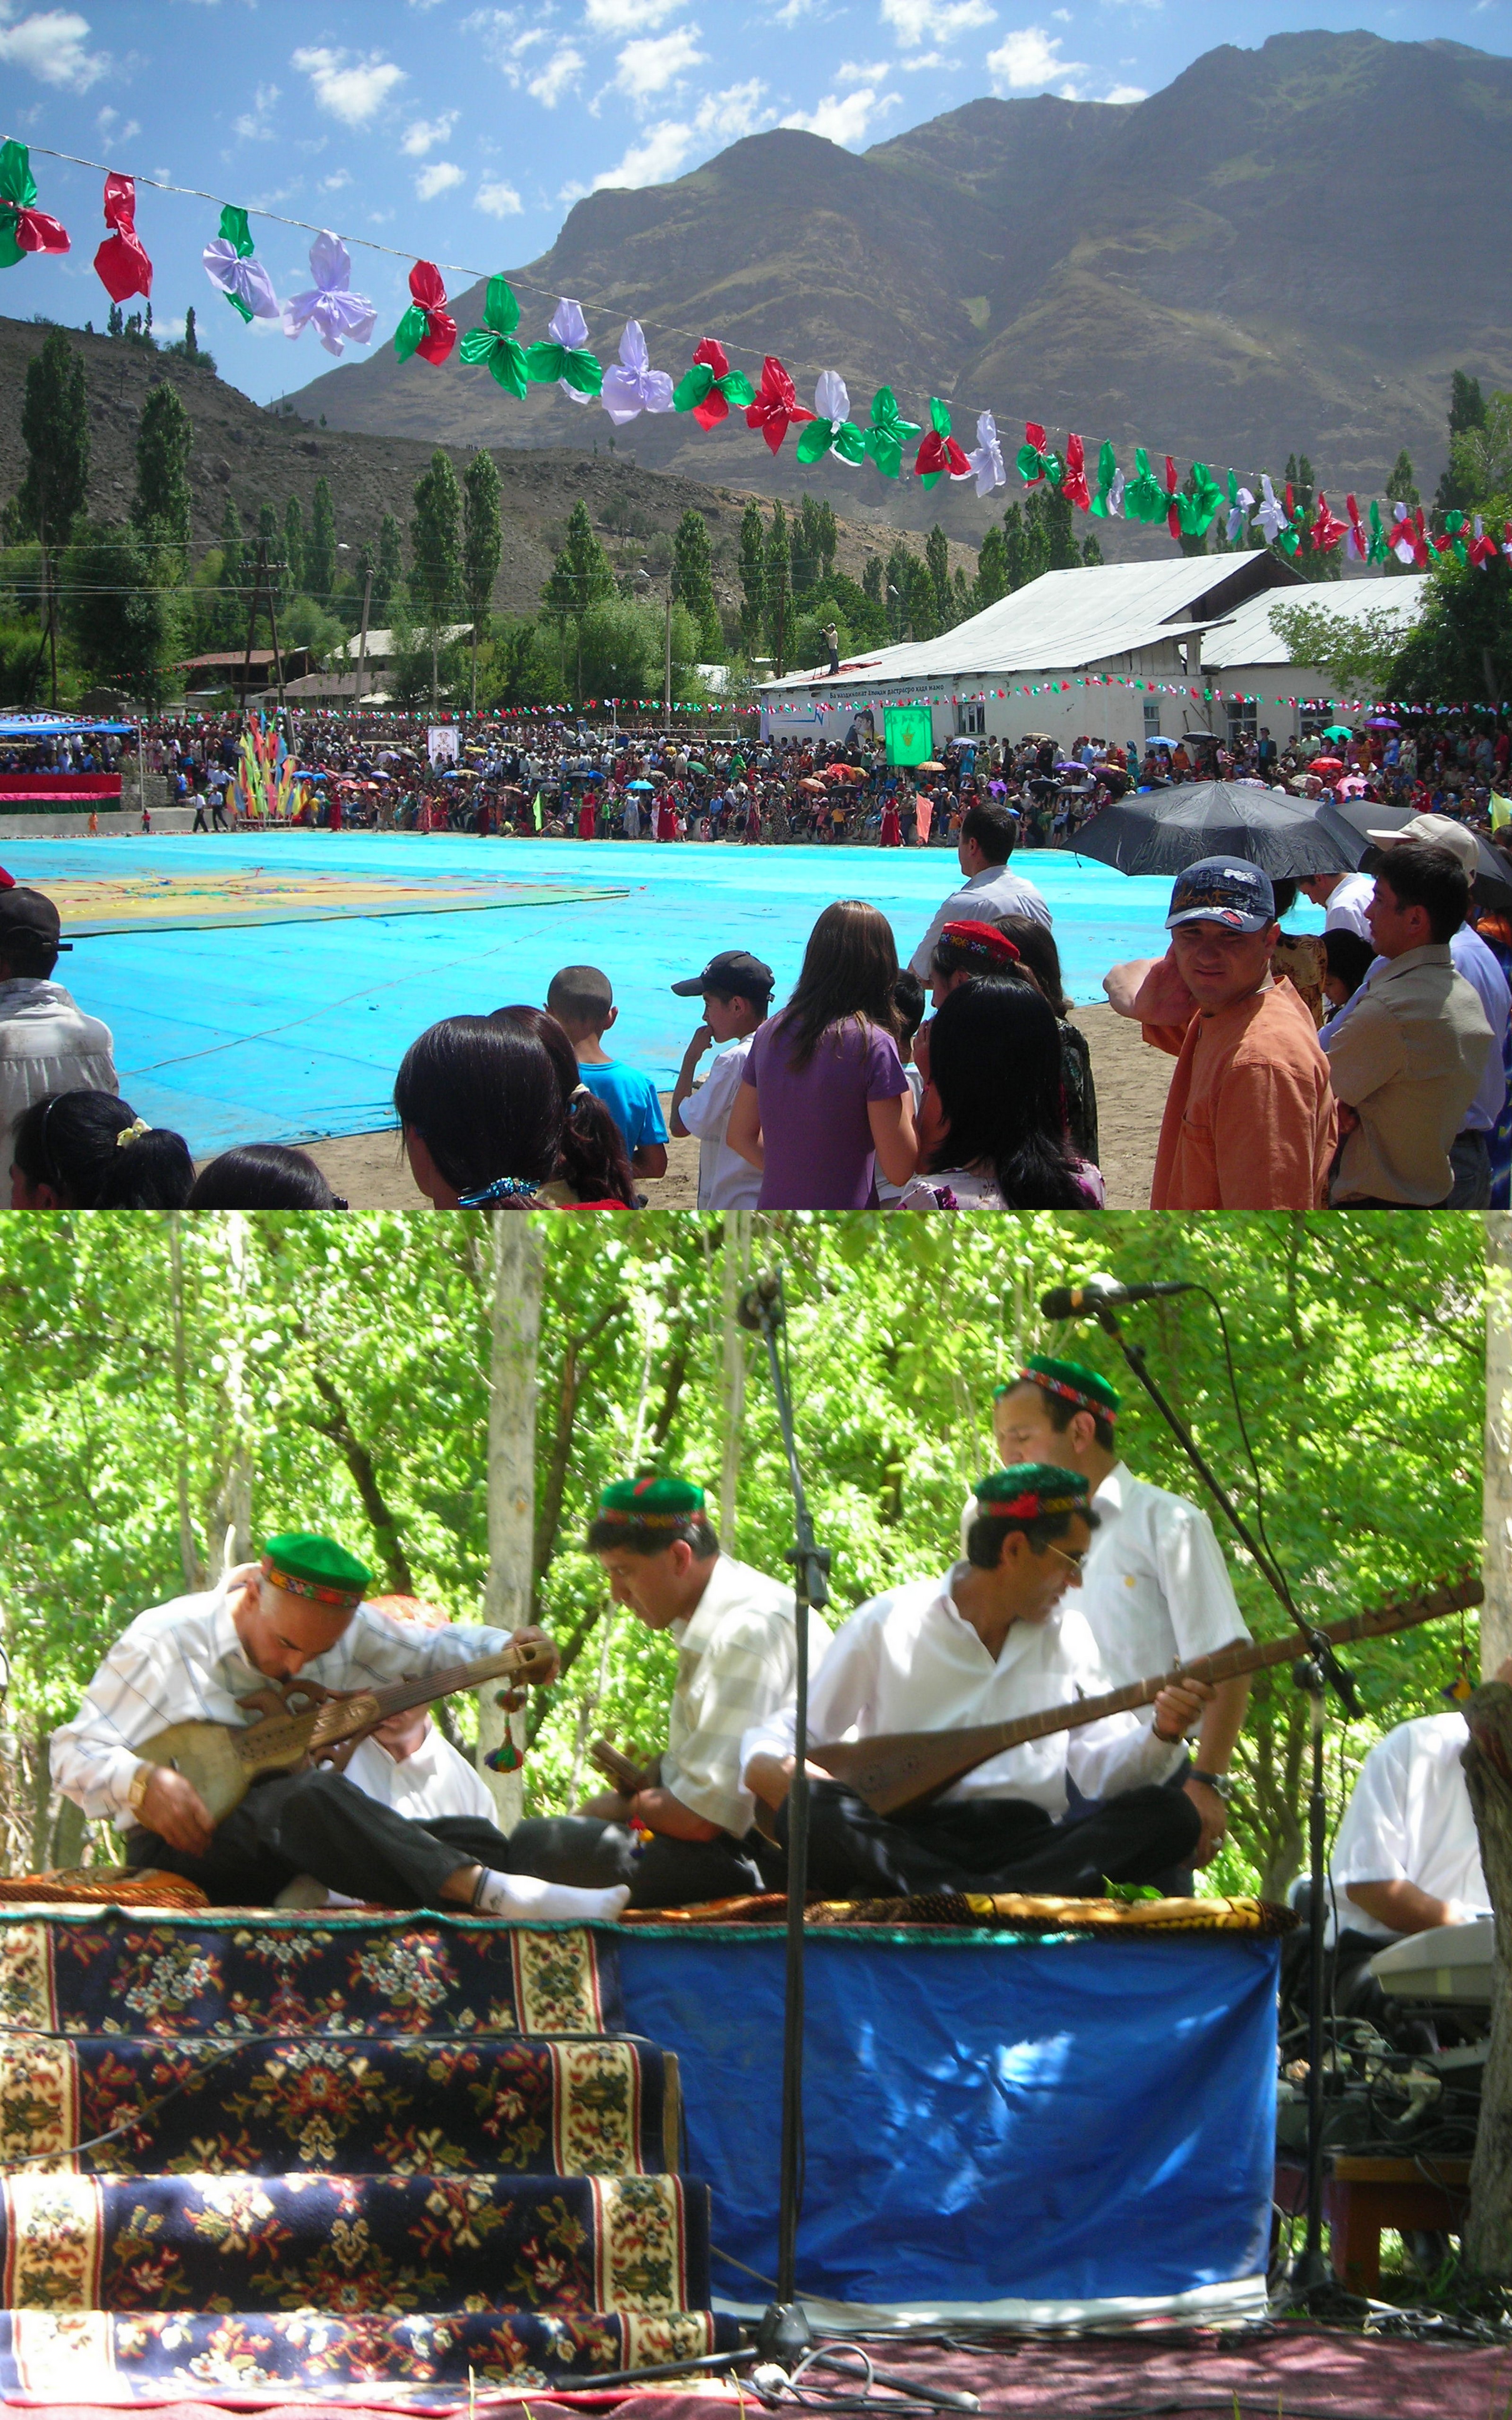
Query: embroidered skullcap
x,y
1072,1381
305,1565
1027,1490
971,938
657,1501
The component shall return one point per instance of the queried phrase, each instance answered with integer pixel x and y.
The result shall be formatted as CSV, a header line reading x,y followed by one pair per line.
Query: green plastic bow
x,y
889,434
711,386
1455,526
1197,505
830,429
564,355
1144,499
495,344
1108,501
1379,545
1037,460
23,229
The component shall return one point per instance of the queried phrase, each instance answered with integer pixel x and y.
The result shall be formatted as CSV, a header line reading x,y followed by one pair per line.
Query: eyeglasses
x,y
1077,1562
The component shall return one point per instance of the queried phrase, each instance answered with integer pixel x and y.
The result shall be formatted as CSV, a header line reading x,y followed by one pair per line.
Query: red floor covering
x,y
1297,2373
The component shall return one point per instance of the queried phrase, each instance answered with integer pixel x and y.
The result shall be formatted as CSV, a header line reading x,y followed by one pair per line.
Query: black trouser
x,y
590,1854
1176,1882
993,1844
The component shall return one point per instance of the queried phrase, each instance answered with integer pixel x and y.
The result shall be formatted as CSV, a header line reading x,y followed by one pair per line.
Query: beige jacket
x,y
1408,1061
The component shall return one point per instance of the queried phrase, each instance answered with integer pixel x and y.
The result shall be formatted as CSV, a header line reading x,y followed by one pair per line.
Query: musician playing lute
x,y
297,1616
989,1642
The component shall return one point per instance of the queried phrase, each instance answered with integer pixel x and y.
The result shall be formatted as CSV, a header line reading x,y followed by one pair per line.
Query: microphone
x,y
1095,1295
764,1304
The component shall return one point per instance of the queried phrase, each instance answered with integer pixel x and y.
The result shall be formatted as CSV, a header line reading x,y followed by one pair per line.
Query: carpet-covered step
x,y
378,2105
108,2356
106,1971
350,2245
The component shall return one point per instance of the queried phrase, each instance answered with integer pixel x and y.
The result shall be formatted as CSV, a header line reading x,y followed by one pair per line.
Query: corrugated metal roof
x,y
1060,621
1248,637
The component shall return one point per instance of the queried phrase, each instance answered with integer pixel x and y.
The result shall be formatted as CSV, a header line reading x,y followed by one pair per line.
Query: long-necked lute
x,y
224,1763
903,1769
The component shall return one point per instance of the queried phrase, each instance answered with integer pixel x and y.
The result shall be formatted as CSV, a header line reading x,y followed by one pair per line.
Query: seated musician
x,y
989,1642
1406,1856
408,1764
197,1659
687,1833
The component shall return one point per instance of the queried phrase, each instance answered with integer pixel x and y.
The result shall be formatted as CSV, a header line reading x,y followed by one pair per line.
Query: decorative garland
x,y
710,389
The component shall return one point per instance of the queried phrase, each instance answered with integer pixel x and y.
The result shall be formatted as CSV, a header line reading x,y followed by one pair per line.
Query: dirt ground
x,y
370,1171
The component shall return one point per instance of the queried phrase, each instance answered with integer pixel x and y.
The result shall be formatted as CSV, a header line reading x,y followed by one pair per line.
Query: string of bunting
x,y
710,390
850,701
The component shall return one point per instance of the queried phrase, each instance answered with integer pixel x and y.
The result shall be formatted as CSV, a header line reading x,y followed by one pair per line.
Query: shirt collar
x,y
1109,1498
699,1626
1432,954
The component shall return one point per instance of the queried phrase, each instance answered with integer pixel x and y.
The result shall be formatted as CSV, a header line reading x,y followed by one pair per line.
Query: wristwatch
x,y
136,1788
1218,1781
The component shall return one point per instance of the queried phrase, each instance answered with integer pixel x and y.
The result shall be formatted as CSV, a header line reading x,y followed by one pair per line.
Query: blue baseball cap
x,y
1222,890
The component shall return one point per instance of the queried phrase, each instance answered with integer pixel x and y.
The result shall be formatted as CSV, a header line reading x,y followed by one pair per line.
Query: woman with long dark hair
x,y
824,1097
482,1113
263,1176
993,1118
593,1170
90,1151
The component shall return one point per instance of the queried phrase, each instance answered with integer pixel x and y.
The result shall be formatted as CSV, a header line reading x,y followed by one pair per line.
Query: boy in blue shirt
x,y
582,1000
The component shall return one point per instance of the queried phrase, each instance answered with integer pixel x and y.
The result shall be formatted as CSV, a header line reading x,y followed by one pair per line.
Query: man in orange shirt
x,y
1249,1122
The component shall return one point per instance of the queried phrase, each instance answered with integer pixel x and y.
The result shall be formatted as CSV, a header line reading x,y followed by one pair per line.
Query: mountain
x,y
1287,249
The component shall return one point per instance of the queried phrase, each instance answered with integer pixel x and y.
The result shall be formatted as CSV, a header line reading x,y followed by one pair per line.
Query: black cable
x,y
139,2116
1209,1296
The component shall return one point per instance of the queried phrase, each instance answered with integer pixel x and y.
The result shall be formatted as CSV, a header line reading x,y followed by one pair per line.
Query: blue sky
x,y
464,133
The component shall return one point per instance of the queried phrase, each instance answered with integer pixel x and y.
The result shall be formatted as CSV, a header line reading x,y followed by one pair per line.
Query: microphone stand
x,y
784,2330
1311,2281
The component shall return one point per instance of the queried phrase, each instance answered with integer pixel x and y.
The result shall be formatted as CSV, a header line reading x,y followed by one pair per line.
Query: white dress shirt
x,y
435,1780
1410,1820
726,1182
735,1665
997,891
183,1662
909,1661
47,1045
1347,904
1155,1589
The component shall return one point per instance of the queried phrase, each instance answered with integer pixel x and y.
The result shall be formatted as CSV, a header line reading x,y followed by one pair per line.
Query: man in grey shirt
x,y
988,832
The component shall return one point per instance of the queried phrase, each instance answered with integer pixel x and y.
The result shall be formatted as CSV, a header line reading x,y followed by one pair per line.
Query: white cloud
x,y
428,131
51,46
252,125
1060,16
657,156
854,72
560,73
337,183
1026,60
844,121
1123,92
353,93
791,11
935,20
499,200
734,113
628,16
648,67
925,59
437,178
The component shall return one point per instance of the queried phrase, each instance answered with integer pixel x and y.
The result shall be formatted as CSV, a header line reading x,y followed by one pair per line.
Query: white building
x,y
1120,651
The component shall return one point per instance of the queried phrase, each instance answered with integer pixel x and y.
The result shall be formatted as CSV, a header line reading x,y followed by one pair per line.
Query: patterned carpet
x,y
346,2155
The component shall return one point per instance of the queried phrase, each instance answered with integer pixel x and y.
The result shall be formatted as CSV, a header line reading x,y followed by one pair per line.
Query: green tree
x,y
435,553
992,569
163,506
388,576
874,583
581,577
120,610
230,618
1466,412
293,549
1358,652
320,564
937,561
1091,550
922,600
752,578
779,587
54,429
1461,647
481,542
692,577
1481,461
1401,489
898,583
191,336
1049,514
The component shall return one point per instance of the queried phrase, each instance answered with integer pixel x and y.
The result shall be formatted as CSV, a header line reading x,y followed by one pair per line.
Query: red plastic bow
x,y
938,451
1073,485
120,264
775,405
1360,548
1410,531
1481,548
1173,508
1327,528
426,286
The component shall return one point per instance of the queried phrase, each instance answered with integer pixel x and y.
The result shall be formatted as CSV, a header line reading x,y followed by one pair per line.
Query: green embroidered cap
x,y
1027,1490
305,1565
1072,1380
656,1502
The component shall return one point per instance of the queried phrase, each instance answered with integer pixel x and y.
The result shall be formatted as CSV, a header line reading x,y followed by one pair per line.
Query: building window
x,y
970,720
1240,723
1151,718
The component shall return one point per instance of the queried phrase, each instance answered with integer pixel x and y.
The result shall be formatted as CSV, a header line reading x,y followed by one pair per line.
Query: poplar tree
x,y
752,578
778,571
163,506
435,551
581,577
389,572
693,581
55,427
320,564
229,623
293,548
481,546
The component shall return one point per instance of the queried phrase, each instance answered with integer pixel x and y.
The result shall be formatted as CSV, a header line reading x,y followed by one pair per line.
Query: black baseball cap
x,y
1228,890
733,971
32,913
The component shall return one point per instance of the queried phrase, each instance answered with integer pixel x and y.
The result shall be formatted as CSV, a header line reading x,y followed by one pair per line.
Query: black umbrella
x,y
1350,822
1160,832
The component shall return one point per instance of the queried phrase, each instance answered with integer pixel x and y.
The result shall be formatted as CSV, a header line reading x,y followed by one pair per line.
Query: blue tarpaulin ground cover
x,y
988,2119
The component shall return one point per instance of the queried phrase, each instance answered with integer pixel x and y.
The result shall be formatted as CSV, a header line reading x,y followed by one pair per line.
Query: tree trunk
x,y
237,1500
734,1269
1487,2239
1496,1613
188,1551
517,1330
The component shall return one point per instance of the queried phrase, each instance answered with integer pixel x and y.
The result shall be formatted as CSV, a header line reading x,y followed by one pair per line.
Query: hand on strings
x,y
173,1808
1178,1707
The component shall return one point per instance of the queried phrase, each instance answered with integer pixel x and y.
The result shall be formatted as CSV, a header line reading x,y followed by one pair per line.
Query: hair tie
x,y
132,1133
502,1189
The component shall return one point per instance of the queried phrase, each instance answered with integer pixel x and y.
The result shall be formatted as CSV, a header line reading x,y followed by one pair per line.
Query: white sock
x,y
523,1895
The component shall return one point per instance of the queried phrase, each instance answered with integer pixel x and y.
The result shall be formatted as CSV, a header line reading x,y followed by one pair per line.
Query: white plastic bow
x,y
832,400
1404,543
246,281
568,328
1272,516
631,386
1238,514
986,457
335,314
